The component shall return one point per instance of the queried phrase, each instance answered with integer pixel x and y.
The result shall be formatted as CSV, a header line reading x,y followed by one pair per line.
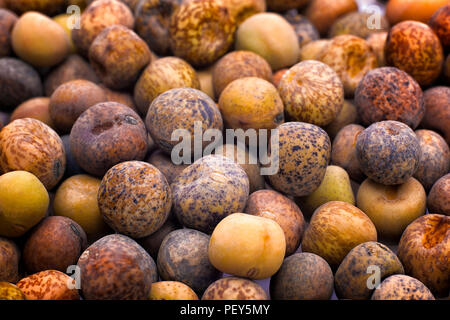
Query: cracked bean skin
x,y
424,250
106,134
351,57
388,152
312,92
134,198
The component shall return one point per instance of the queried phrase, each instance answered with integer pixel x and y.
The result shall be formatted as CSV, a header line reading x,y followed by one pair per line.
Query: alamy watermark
x,y
373,281
263,146
74,21
74,282
374,19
